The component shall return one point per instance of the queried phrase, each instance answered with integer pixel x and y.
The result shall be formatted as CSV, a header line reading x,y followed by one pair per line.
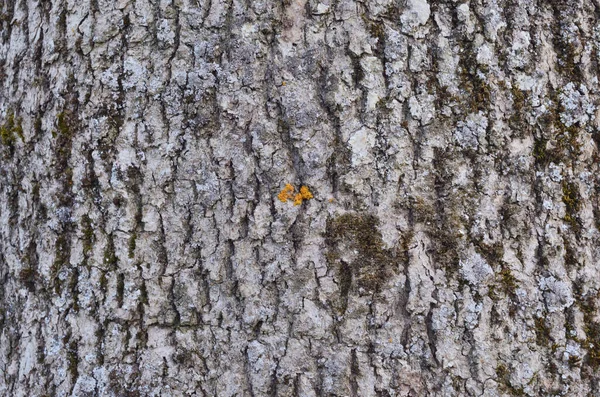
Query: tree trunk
x,y
149,244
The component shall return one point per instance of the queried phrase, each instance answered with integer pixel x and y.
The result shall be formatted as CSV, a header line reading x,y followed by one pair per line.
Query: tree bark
x,y
149,247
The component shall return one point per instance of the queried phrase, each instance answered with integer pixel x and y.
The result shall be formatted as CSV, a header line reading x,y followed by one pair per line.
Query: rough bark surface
x,y
451,247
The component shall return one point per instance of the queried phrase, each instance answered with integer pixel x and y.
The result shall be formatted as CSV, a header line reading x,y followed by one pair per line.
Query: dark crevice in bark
x,y
354,373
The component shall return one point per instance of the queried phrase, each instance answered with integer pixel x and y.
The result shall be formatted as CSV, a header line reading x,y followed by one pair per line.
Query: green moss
x,y
508,283
371,265
518,96
566,139
377,29
10,130
493,294
63,128
493,253
63,134
184,356
571,200
503,379
88,234
422,211
574,361
569,329
18,129
62,254
37,125
502,372
542,332
588,307
103,282
73,359
26,274
539,150
561,143
28,277
143,293
110,257
517,120
592,331
445,246
570,255
131,245
6,132
566,51
478,92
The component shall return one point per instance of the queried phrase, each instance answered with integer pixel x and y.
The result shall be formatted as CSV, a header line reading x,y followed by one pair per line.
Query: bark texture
x,y
451,247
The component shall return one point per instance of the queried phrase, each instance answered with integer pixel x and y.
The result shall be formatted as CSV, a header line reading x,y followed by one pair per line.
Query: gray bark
x,y
450,249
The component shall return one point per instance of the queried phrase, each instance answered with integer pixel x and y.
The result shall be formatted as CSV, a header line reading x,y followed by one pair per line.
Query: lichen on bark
x,y
444,158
